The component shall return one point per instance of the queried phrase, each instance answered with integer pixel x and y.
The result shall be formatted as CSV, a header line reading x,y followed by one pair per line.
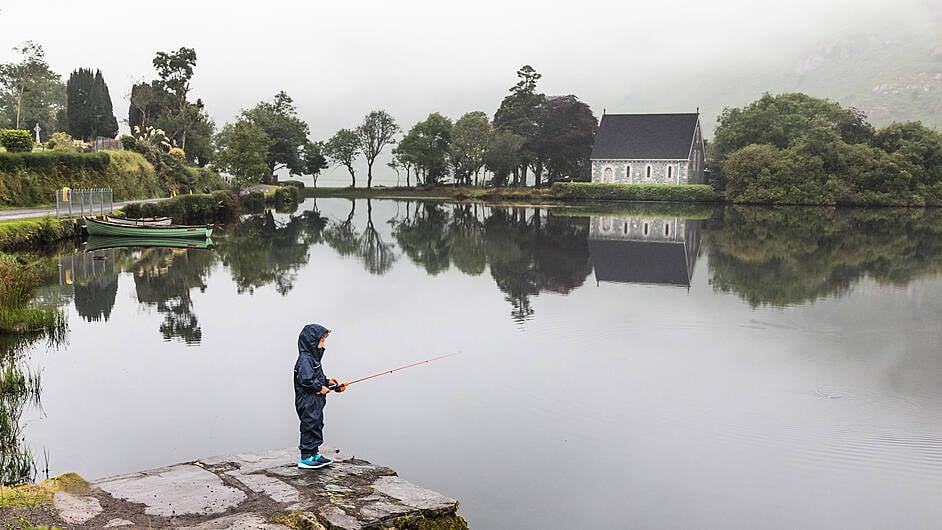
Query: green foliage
x,y
565,138
163,104
470,138
374,134
23,234
16,141
89,111
216,207
633,192
785,120
294,183
343,148
128,142
30,92
520,113
29,179
177,153
283,196
61,141
287,131
242,151
427,146
503,155
811,151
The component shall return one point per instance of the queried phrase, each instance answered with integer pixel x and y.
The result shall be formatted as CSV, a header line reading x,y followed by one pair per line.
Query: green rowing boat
x,y
100,227
100,242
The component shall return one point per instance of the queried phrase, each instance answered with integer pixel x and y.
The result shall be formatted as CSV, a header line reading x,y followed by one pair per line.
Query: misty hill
x,y
891,75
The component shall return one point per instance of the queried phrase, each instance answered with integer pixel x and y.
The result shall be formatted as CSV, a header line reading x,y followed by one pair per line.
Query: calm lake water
x,y
631,368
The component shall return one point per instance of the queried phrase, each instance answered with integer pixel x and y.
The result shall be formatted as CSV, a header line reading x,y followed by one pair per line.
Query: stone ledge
x,y
259,490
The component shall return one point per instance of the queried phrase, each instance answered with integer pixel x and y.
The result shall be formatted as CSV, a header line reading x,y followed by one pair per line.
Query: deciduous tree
x,y
242,151
427,145
469,145
343,148
30,92
288,132
566,136
375,133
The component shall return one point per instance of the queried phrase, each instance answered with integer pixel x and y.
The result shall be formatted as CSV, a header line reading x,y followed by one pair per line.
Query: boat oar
x,y
340,387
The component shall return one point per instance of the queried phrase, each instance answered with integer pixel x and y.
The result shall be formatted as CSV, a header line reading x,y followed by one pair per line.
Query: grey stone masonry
x,y
641,171
264,490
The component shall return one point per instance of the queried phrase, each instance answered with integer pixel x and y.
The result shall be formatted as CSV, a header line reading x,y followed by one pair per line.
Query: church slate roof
x,y
645,136
640,262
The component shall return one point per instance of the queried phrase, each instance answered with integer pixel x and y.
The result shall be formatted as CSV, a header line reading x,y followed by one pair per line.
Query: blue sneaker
x,y
314,462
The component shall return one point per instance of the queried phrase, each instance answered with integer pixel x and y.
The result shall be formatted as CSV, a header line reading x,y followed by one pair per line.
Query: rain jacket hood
x,y
308,339
308,373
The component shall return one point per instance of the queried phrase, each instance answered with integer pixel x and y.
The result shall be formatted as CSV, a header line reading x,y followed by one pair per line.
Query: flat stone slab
x,y
183,489
74,509
257,491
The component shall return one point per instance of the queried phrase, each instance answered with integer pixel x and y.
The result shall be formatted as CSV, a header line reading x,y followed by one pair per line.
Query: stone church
x,y
649,149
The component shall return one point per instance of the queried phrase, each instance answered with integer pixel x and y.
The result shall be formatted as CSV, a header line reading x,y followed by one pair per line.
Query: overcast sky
x,y
415,57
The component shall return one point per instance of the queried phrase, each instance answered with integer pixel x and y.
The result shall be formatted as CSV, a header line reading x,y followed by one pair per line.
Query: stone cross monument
x,y
37,129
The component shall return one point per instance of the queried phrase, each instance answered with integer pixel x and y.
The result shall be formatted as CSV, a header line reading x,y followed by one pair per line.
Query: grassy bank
x,y
558,193
18,281
216,207
22,234
28,179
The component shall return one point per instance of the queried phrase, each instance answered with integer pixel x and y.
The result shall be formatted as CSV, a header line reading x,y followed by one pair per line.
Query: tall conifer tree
x,y
89,112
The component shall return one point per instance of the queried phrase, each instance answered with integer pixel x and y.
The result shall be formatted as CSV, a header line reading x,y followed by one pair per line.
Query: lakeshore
x,y
247,490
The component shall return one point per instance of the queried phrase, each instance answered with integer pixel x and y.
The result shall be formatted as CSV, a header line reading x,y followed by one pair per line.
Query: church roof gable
x,y
645,136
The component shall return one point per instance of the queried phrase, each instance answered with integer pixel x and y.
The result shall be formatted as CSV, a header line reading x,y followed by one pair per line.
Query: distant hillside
x,y
892,76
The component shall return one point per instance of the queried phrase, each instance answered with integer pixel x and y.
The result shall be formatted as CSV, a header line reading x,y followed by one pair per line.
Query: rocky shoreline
x,y
264,490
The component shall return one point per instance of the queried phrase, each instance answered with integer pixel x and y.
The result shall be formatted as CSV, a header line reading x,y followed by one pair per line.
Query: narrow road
x,y
26,213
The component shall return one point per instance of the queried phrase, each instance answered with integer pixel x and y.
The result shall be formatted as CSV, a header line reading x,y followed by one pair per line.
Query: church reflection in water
x,y
647,250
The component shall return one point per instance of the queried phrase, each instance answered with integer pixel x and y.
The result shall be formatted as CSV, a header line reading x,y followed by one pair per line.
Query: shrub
x,y
177,153
284,195
296,183
633,192
128,142
61,141
16,140
219,206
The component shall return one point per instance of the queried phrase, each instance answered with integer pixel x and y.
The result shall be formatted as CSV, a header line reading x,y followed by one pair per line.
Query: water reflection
x,y
262,250
660,250
789,256
779,256
93,280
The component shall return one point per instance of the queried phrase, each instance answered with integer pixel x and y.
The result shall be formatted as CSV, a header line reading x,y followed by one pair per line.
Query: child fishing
x,y
310,394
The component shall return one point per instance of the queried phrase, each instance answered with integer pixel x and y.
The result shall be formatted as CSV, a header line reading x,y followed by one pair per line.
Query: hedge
x,y
30,179
601,191
215,207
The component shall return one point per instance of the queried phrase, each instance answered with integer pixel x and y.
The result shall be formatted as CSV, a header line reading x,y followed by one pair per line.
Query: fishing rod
x,y
340,387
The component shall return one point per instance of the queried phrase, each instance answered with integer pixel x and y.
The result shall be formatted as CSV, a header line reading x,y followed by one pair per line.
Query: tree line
x,y
548,137
797,149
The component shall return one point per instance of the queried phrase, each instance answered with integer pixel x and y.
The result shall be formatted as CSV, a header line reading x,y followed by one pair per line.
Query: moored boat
x,y
140,221
101,227
100,242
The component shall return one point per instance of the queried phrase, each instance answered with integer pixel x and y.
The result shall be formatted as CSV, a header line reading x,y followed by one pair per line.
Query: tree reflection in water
x,y
164,278
786,256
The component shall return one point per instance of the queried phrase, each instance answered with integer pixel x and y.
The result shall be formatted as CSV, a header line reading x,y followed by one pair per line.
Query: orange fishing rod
x,y
343,386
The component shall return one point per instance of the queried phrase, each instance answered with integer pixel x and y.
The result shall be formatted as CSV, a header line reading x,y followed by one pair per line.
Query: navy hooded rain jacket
x,y
308,379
